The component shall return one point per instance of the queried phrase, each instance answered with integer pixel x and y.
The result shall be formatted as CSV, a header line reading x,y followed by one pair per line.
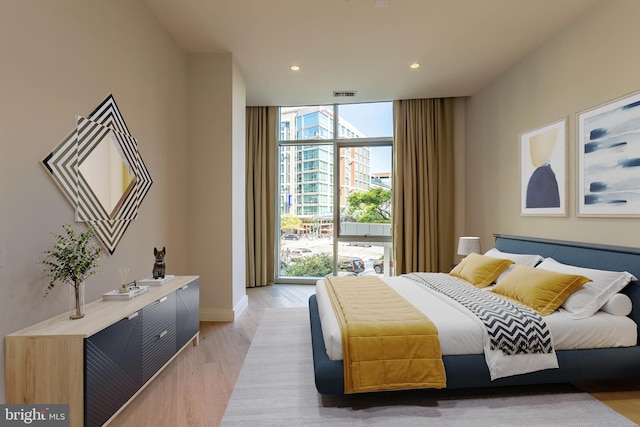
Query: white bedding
x,y
461,334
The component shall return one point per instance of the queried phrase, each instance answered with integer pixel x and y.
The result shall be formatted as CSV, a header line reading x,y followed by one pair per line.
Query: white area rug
x,y
276,388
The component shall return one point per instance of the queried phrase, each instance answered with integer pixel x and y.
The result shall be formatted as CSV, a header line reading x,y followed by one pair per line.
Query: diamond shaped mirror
x,y
107,174
99,170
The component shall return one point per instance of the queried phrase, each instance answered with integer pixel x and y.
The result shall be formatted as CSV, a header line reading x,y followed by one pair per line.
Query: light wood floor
x,y
195,388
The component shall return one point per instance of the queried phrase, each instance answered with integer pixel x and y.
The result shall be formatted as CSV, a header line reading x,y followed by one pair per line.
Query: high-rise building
x,y
306,170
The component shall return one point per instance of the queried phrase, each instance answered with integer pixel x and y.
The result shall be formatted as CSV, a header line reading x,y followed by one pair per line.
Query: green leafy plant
x,y
290,223
317,265
73,259
372,206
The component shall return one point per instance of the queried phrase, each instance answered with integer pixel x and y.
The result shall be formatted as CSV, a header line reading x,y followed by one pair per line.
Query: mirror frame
x,y
63,167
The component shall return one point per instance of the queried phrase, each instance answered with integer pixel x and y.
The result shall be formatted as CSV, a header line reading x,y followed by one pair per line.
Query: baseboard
x,y
222,314
241,306
216,315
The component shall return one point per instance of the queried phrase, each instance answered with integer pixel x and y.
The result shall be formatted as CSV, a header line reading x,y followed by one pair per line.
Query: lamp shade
x,y
467,245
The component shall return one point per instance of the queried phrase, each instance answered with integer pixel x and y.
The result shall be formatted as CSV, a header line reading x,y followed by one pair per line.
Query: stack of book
x,y
132,292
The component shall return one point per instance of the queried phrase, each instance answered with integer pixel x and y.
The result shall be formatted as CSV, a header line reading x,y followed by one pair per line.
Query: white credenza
x,y
99,363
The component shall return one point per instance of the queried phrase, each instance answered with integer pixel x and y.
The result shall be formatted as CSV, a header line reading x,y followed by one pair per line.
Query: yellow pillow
x,y
480,270
542,290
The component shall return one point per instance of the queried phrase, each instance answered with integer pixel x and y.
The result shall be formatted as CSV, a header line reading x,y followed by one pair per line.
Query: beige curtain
x,y
423,202
260,194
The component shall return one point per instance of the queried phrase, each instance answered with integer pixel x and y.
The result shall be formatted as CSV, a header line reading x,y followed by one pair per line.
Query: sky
x,y
373,120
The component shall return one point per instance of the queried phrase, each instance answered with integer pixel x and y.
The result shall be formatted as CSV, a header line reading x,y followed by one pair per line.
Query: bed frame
x,y
466,371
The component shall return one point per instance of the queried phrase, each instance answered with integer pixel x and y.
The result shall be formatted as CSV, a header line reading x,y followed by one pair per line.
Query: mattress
x,y
460,333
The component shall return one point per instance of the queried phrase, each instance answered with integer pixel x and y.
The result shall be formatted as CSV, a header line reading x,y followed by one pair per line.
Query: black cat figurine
x,y
159,267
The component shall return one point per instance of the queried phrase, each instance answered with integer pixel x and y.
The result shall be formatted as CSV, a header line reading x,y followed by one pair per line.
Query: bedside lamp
x,y
467,245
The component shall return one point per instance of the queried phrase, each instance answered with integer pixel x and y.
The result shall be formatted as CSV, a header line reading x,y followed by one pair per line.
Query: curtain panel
x,y
423,185
261,194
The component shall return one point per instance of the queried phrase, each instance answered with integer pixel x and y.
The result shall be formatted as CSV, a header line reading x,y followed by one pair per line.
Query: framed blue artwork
x,y
609,159
543,170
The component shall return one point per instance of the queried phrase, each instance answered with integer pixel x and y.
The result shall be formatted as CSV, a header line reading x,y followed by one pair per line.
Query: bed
x,y
470,370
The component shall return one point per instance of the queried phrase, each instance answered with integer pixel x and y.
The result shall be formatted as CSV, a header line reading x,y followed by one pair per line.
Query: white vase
x,y
76,301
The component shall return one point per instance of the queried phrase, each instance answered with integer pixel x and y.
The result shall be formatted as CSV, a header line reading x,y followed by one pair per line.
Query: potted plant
x,y
72,260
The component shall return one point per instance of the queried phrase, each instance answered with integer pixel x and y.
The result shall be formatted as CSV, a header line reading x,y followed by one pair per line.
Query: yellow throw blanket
x,y
387,343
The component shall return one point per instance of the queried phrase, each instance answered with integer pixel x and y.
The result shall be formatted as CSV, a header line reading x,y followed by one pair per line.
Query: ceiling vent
x,y
344,93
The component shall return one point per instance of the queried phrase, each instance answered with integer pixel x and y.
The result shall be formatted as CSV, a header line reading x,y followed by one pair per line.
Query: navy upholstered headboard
x,y
590,255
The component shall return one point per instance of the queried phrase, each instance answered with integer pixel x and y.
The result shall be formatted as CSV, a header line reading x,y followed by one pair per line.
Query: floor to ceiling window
x,y
334,198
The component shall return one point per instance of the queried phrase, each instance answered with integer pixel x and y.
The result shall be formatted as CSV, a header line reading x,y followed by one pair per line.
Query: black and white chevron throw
x,y
513,329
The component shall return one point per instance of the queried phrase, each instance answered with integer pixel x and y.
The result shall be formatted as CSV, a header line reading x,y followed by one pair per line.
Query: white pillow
x,y
592,295
618,305
518,259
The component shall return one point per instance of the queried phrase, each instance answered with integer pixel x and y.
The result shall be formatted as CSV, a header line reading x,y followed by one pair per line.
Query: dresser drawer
x,y
158,334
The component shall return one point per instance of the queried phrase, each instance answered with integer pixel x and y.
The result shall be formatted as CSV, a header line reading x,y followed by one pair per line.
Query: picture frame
x,y
609,159
543,170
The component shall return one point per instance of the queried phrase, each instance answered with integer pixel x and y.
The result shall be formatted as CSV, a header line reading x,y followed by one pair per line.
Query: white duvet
x,y
460,332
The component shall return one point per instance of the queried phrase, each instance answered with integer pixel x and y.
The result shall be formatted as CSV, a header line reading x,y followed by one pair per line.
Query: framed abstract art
x,y
609,159
543,170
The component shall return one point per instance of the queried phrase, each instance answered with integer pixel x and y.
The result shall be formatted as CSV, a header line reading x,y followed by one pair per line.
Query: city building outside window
x,y
334,211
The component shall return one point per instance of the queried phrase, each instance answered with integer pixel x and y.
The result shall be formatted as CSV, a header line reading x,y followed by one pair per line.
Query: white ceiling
x,y
345,45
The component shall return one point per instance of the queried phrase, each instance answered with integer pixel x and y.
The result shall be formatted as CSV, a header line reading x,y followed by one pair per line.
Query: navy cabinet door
x,y
187,312
113,368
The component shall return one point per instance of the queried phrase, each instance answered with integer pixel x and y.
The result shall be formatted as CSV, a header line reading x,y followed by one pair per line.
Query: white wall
x,y
216,183
592,62
239,205
60,59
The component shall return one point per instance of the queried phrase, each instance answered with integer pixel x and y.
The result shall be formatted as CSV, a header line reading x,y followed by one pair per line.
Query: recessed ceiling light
x,y
381,3
294,68
415,65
